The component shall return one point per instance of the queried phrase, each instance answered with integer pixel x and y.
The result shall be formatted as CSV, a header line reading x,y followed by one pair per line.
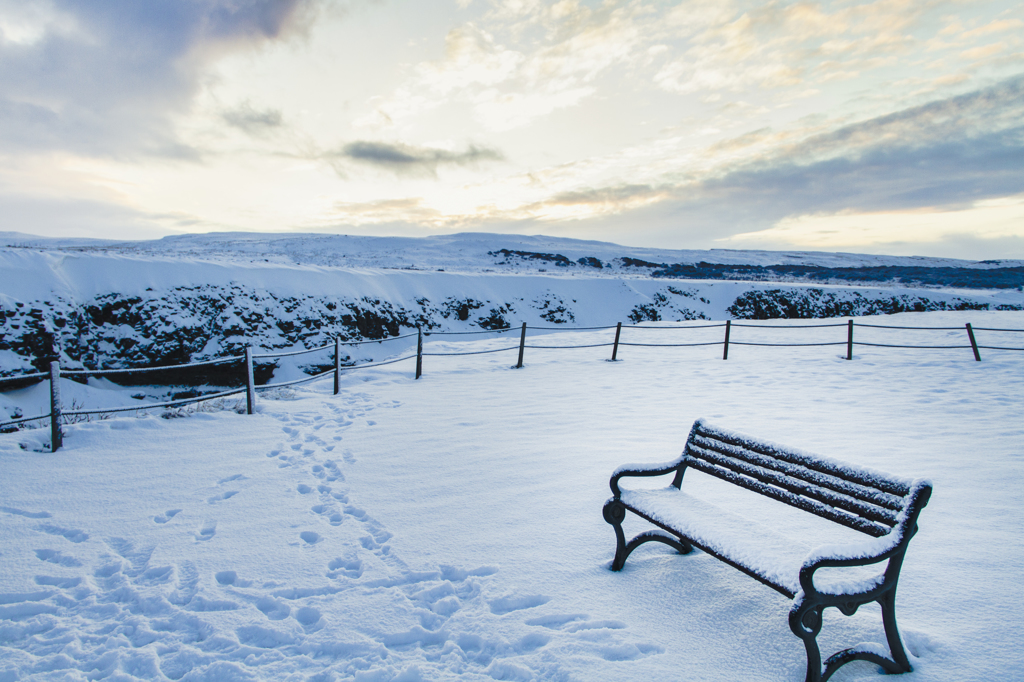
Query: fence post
x,y
56,435
849,341
522,346
725,349
337,366
974,344
250,383
615,348
419,352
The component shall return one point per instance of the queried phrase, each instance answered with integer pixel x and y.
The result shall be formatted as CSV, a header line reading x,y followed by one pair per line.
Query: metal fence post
x,y
337,366
419,352
725,347
849,341
522,346
974,344
615,348
56,434
250,383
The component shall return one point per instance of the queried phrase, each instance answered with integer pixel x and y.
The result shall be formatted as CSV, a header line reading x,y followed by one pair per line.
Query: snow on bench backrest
x,y
858,498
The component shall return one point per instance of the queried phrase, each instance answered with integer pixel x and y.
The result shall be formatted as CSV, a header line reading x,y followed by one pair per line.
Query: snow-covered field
x,y
450,528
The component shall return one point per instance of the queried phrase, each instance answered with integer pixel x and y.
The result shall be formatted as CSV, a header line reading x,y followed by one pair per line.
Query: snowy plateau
x,y
450,528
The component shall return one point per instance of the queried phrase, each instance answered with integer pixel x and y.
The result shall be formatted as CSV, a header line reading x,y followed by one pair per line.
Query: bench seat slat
x,y
863,493
865,478
796,486
809,505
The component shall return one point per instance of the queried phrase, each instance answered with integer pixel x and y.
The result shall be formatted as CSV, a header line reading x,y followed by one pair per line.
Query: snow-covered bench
x,y
885,508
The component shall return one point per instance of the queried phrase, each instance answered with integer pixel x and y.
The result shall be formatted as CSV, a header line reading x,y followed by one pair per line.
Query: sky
x,y
894,126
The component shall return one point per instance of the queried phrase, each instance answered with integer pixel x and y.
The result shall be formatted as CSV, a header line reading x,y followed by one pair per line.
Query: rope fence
x,y
57,415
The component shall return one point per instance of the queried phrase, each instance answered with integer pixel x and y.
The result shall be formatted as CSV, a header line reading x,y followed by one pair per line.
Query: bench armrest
x,y
851,557
642,470
891,547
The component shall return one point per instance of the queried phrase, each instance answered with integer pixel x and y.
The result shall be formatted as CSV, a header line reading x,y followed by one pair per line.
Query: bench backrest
x,y
863,500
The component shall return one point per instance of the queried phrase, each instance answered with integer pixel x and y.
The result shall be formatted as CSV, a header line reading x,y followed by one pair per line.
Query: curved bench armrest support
x,y
645,470
892,571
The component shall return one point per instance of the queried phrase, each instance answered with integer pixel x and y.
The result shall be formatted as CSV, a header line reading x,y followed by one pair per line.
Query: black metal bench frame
x,y
875,504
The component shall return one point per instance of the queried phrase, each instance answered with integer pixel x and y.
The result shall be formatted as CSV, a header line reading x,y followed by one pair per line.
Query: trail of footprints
x,y
101,620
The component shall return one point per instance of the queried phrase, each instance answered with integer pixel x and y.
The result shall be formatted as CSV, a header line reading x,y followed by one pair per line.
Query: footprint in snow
x,y
57,581
26,514
52,556
166,516
231,578
308,617
350,568
226,495
236,477
70,534
206,531
273,608
511,603
309,537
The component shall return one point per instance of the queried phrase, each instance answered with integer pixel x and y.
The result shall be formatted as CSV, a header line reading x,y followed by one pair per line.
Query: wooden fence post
x,y
725,347
337,366
615,348
250,383
849,341
419,352
522,347
974,344
56,434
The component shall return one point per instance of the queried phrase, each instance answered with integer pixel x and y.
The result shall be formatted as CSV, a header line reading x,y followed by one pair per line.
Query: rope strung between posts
x,y
294,382
891,345
151,406
787,326
378,364
486,331
22,420
475,352
570,329
589,345
671,345
786,345
260,356
689,326
25,376
96,372
884,326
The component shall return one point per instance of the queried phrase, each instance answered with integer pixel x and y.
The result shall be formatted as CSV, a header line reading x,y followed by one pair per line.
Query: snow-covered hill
x,y
195,297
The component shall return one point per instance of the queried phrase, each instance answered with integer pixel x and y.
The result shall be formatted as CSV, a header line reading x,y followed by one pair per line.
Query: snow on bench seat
x,y
774,556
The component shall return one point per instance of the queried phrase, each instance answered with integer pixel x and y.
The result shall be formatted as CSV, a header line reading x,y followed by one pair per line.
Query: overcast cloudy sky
x,y
894,126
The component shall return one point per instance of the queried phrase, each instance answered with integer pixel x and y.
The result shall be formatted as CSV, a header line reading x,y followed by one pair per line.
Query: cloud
x,y
105,78
253,121
407,159
941,157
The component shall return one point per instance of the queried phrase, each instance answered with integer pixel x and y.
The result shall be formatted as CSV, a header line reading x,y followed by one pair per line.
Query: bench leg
x,y
615,513
805,623
892,634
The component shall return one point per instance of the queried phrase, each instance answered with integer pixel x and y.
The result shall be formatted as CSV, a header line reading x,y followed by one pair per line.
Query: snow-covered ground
x,y
463,252
450,528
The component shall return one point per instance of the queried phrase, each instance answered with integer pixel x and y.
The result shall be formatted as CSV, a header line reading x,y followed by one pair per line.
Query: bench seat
x,y
775,558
